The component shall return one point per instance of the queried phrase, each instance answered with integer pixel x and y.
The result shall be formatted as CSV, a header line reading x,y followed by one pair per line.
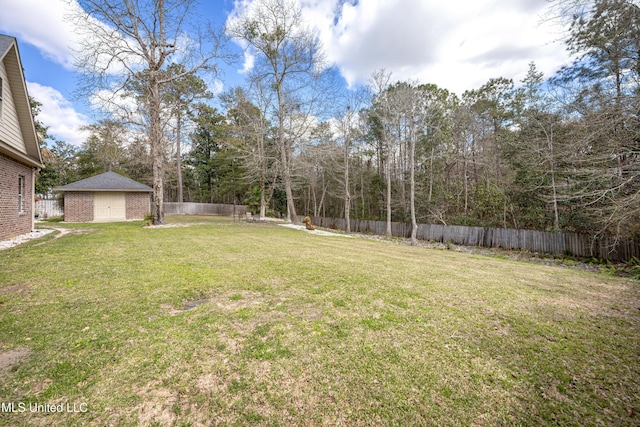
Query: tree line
x,y
556,153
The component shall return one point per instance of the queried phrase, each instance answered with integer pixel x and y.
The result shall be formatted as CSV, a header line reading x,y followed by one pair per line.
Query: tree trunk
x,y
155,135
324,192
284,158
179,160
388,198
412,189
263,202
362,213
291,209
431,176
347,193
315,199
556,217
466,185
263,178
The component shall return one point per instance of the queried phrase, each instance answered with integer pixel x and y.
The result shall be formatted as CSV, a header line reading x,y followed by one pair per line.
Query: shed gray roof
x,y
108,181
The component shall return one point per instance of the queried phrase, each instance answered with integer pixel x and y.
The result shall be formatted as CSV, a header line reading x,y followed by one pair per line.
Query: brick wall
x,y
78,206
12,222
138,205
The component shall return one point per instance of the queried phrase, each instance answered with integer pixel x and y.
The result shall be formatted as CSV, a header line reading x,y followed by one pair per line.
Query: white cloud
x,y
59,114
214,84
249,61
49,26
458,44
43,25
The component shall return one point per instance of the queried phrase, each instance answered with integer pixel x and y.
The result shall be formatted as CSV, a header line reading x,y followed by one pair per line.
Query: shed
x,y
105,197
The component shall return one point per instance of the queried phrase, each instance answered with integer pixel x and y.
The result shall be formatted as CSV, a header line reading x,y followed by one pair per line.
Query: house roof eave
x,y
10,55
23,158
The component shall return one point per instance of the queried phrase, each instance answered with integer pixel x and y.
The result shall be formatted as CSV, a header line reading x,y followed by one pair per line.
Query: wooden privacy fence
x,y
577,244
205,209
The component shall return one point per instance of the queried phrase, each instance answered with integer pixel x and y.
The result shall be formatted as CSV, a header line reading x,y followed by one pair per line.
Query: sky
x,y
458,45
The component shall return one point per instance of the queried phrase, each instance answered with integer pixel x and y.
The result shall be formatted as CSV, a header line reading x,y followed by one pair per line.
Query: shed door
x,y
109,207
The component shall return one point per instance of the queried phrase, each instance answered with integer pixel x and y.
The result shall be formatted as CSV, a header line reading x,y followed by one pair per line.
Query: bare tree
x,y
379,83
321,160
288,58
247,112
347,135
413,111
129,39
348,129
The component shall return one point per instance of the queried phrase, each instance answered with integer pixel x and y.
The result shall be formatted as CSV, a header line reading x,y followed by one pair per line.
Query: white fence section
x,y
47,208
205,209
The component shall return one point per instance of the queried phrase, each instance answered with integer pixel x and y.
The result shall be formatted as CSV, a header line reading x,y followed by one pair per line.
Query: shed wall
x,y
78,206
138,205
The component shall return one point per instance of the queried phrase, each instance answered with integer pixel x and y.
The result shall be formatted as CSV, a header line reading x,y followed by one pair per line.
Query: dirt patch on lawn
x,y
10,359
157,405
186,306
65,231
22,287
170,309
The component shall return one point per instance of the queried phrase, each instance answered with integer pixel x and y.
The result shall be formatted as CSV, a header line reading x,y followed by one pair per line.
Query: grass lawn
x,y
229,323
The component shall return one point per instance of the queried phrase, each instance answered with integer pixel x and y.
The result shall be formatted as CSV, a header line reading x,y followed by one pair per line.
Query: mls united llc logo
x,y
21,407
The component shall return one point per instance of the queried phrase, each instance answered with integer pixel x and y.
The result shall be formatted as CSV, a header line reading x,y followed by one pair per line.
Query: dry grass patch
x,y
10,359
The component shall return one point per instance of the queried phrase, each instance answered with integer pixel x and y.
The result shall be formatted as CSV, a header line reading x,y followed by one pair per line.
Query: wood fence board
x,y
581,245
